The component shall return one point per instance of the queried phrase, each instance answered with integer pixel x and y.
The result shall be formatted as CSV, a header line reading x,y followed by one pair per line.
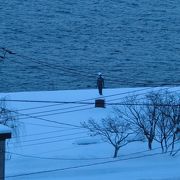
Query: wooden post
x,y
5,133
2,159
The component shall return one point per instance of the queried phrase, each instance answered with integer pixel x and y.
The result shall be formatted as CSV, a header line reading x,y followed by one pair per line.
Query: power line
x,y
5,51
60,68
86,100
112,104
141,104
81,166
50,70
80,101
71,70
51,142
39,107
74,102
48,132
64,69
138,94
51,137
52,121
58,113
43,125
57,158
94,158
69,107
57,109
57,102
120,103
38,117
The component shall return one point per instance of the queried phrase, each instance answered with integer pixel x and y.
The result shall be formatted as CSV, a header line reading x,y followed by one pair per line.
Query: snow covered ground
x,y
53,146
4,129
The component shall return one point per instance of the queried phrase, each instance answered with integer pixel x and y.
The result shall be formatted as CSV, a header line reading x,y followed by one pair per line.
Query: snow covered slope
x,y
53,146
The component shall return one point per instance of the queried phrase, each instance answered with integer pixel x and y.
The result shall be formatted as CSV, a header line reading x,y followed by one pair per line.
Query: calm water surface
x,y
63,44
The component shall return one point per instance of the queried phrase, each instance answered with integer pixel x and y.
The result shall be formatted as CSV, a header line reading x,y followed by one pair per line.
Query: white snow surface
x,y
4,129
47,150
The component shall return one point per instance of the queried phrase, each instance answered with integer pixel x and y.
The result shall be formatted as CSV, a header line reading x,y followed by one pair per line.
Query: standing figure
x,y
100,83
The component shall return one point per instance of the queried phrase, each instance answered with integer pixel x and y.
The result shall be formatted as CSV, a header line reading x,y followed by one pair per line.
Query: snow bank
x,y
4,129
48,147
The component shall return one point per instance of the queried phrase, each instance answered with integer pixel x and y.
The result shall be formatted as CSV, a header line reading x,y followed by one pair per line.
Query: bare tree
x,y
157,117
143,115
170,120
112,130
8,117
163,133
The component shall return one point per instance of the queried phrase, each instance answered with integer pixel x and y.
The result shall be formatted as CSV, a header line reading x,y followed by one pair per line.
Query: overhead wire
x,y
73,101
39,107
117,103
51,142
139,104
52,121
65,69
86,100
80,166
61,68
57,113
57,66
38,124
77,101
142,98
51,137
93,158
120,98
77,110
38,117
59,109
80,101
56,158
43,133
66,112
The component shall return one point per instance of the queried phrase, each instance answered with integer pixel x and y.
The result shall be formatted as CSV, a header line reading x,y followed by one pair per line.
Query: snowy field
x,y
52,145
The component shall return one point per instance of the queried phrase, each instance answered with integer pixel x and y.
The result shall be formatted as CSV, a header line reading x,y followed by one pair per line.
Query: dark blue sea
x,y
63,44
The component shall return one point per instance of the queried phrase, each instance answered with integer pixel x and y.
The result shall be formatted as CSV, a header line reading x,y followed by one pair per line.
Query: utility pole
x,y
5,133
5,51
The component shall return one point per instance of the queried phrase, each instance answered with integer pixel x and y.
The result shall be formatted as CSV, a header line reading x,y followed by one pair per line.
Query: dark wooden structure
x,y
3,136
100,103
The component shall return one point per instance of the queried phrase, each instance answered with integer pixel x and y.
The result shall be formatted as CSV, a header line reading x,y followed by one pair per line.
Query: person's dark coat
x,y
100,84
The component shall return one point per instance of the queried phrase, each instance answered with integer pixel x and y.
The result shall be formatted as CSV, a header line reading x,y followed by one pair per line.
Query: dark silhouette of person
x,y
100,83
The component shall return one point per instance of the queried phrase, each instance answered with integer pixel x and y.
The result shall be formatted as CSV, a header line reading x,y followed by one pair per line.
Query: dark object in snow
x,y
100,103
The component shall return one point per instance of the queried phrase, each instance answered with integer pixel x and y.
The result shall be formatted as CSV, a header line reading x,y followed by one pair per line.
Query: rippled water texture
x,y
63,44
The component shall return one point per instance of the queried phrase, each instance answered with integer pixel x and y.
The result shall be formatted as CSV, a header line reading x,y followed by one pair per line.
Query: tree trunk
x,y
173,141
150,144
116,152
166,145
162,146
